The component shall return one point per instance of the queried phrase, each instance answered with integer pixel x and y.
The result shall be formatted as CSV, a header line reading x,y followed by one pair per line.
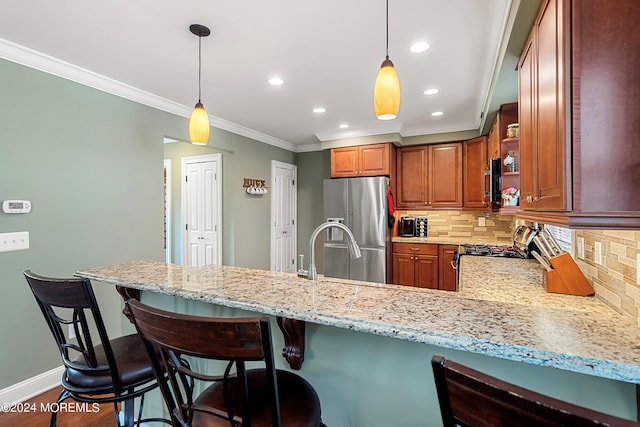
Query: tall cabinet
x,y
543,120
579,103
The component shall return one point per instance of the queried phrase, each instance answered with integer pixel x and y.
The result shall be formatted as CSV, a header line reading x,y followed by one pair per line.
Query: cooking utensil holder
x,y
566,277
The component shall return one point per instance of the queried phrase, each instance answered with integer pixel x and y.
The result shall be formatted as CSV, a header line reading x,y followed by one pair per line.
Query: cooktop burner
x,y
490,250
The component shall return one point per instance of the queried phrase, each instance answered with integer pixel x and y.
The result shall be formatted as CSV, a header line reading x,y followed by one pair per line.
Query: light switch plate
x,y
15,241
638,269
481,221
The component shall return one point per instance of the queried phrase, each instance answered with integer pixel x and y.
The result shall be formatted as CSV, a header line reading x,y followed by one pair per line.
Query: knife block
x,y
566,277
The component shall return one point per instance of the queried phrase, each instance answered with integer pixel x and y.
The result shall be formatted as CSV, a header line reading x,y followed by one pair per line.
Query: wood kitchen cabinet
x,y
474,160
430,176
579,150
363,160
543,123
493,139
447,276
415,264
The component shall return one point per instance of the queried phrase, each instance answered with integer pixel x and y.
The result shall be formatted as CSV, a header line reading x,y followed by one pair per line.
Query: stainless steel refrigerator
x,y
361,204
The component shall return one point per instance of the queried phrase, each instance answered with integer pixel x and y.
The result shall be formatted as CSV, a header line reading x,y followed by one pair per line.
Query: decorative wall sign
x,y
255,186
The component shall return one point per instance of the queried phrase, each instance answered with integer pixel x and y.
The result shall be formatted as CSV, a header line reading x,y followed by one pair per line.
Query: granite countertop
x,y
501,310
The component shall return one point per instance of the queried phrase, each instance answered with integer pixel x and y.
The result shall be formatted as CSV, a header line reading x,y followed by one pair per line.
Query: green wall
x,y
245,218
91,164
313,168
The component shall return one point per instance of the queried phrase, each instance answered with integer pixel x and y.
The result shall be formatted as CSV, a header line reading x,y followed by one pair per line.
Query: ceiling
x,y
327,52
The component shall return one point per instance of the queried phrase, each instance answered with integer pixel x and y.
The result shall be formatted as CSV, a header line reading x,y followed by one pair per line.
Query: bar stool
x,y
473,399
250,397
114,370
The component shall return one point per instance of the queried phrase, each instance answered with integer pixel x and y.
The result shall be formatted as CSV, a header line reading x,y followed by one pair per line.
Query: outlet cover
x,y
481,221
597,253
15,241
580,244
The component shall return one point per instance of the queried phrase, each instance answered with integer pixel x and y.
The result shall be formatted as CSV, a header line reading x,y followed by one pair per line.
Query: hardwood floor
x,y
35,413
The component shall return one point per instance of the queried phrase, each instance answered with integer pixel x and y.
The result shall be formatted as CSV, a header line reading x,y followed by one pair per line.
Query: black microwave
x,y
493,182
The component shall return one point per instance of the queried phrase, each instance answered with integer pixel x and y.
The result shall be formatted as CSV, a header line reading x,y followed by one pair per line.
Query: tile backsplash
x,y
615,278
465,223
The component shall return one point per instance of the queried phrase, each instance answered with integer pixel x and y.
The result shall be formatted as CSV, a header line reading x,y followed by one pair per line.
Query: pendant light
x,y
386,94
199,122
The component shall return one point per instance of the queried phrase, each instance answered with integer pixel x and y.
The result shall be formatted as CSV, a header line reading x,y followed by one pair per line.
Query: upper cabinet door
x,y
526,98
363,160
475,163
344,162
550,103
445,175
374,160
412,177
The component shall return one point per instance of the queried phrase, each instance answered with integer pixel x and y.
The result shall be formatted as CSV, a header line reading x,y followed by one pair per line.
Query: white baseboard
x,y
31,387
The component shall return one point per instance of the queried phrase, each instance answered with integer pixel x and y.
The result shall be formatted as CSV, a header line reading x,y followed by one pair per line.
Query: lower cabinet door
x,y
403,270
446,273
426,271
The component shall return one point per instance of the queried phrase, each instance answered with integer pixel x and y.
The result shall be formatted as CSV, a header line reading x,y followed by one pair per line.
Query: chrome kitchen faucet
x,y
354,249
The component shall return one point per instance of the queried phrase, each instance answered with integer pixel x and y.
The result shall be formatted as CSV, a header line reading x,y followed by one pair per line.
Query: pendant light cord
x,y
200,67
387,29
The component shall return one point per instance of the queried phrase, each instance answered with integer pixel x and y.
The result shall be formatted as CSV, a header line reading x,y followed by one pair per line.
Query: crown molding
x,y
37,60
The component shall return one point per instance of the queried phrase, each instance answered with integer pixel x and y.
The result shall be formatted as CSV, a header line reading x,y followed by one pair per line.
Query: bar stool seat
x,y
297,400
131,359
182,347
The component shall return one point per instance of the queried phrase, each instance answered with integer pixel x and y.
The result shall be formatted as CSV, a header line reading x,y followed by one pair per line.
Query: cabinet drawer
x,y
416,248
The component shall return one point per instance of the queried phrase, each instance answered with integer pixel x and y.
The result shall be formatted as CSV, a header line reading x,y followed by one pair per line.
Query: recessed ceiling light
x,y
275,81
344,126
437,113
419,47
319,110
431,91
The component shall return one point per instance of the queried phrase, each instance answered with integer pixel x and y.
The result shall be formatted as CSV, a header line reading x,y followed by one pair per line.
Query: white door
x,y
201,213
283,217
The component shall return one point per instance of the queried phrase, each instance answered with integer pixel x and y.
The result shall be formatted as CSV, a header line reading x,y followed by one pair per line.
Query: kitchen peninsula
x,y
501,316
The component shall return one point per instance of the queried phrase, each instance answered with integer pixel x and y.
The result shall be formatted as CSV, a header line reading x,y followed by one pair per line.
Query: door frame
x,y
274,166
217,158
168,205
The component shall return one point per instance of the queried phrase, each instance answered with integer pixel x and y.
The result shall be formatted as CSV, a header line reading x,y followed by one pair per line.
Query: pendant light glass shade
x,y
386,94
199,125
